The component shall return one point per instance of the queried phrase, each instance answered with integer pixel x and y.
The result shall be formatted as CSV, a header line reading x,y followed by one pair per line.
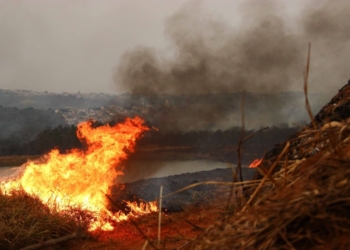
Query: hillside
x,y
24,124
172,112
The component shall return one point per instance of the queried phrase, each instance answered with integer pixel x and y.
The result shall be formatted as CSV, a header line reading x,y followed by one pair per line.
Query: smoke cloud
x,y
266,54
209,57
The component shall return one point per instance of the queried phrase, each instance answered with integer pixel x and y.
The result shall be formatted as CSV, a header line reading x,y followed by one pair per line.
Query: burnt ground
x,y
148,189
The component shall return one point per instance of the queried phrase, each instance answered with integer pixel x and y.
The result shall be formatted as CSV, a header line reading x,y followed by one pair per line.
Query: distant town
x,y
73,116
79,107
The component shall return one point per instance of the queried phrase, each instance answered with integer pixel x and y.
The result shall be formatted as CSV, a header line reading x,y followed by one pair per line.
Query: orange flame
x,y
255,163
82,178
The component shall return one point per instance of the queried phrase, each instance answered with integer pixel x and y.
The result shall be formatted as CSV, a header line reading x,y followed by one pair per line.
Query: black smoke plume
x,y
266,54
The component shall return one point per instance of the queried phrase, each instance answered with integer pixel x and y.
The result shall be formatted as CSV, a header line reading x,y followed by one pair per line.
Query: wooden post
x,y
160,212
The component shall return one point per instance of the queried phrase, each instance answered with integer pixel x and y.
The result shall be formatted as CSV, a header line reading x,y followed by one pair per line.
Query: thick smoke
x,y
328,30
209,57
264,55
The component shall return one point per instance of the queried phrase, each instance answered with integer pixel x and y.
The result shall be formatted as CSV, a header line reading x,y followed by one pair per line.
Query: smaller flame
x,y
255,163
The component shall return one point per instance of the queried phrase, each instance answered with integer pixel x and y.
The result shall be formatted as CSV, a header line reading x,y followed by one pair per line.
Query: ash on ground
x,y
148,189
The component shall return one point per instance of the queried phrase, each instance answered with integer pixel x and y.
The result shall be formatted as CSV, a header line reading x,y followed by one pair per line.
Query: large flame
x,y
82,177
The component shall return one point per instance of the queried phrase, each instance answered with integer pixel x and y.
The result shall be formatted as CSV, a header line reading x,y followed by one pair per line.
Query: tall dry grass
x,y
25,220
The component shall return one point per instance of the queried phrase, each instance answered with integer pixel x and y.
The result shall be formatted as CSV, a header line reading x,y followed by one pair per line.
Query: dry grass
x,y
25,221
307,204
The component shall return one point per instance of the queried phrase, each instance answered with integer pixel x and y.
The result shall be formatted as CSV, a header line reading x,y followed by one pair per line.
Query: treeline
x,y
64,138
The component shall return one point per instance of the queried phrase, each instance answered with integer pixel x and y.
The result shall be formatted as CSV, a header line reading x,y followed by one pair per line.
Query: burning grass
x,y
25,220
60,192
302,202
82,178
303,205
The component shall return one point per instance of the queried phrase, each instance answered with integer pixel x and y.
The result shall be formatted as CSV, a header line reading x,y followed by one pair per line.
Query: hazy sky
x,y
77,45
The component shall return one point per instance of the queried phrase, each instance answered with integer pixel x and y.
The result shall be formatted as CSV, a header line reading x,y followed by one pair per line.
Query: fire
x,y
82,178
255,163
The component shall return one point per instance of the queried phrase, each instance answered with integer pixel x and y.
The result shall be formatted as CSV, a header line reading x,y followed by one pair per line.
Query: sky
x,y
164,46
